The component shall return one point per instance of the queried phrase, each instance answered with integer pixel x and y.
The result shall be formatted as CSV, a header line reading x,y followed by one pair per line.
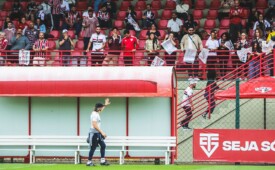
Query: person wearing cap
x,y
66,44
96,135
187,104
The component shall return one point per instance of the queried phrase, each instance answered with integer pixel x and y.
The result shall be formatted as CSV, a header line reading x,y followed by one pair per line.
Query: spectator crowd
x,y
31,27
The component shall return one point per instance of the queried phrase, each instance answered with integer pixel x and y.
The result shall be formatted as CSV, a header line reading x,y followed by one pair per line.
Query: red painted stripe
x,y
76,88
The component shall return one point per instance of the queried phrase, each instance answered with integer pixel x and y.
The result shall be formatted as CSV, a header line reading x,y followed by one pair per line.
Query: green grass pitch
x,y
131,167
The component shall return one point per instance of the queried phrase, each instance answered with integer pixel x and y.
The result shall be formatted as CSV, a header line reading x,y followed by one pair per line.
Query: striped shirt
x,y
105,16
9,34
97,40
41,44
3,46
72,17
55,6
91,23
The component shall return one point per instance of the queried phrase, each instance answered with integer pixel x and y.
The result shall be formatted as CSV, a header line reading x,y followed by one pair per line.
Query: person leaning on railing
x,y
212,45
18,42
40,47
254,64
152,47
192,41
223,56
170,59
114,43
66,44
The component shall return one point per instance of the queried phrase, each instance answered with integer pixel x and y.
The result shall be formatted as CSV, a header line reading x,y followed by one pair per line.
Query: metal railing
x,y
256,67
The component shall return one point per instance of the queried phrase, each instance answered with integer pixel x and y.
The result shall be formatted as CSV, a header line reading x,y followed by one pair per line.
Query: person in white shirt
x,y
98,41
212,44
65,8
175,26
187,103
96,135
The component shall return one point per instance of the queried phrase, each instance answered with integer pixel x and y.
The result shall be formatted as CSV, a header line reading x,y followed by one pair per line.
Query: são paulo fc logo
x,y
209,142
263,89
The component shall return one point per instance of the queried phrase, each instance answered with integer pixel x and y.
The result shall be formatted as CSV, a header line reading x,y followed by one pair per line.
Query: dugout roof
x,y
87,81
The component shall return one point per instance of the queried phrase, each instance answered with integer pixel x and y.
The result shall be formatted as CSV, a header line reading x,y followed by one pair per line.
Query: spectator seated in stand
x,y
104,18
148,17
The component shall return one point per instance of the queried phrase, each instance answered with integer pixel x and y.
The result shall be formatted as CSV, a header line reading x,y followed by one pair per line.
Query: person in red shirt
x,y
129,44
23,25
235,15
3,46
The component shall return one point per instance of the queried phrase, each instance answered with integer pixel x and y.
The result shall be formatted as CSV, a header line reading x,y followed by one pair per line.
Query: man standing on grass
x,y
96,135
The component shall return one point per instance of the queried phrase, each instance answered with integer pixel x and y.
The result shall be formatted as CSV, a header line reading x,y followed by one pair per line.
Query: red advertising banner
x,y
228,145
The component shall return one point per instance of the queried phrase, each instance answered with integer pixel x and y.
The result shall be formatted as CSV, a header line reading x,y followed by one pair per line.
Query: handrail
x,y
264,63
116,58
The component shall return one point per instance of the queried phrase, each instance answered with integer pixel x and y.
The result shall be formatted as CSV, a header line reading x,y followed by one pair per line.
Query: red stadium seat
x,y
7,6
197,14
261,4
1,23
224,24
110,33
76,53
132,32
215,4
209,24
162,24
189,2
243,23
203,42
139,15
121,15
119,24
262,11
200,4
82,5
245,13
156,5
212,14
170,5
162,34
156,13
166,14
221,31
3,14
55,34
198,22
15,23
141,44
142,34
251,33
52,45
24,5
140,5
124,5
79,45
81,35
71,34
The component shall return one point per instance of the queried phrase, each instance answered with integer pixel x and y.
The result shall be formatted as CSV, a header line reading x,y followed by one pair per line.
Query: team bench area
x,y
78,144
